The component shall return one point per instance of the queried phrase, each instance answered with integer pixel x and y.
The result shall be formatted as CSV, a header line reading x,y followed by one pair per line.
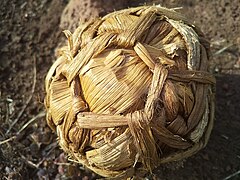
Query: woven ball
x,y
131,91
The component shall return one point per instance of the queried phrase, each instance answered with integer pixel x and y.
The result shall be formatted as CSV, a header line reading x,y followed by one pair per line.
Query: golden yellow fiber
x,y
131,91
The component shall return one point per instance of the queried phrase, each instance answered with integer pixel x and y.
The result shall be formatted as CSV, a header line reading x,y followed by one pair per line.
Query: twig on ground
x,y
40,115
50,148
63,164
232,175
30,163
29,99
7,140
223,49
7,113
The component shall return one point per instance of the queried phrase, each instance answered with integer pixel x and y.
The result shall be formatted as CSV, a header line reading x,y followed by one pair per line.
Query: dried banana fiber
x,y
131,91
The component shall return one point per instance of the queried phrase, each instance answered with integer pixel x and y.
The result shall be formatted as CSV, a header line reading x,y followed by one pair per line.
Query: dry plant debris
x,y
131,90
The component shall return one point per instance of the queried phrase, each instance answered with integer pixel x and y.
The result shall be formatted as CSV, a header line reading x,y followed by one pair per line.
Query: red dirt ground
x,y
29,34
